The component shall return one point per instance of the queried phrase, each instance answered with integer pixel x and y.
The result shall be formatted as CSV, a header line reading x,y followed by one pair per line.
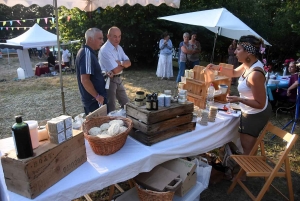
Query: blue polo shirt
x,y
87,63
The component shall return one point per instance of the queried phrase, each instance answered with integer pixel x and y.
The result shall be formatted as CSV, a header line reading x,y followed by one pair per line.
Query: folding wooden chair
x,y
259,166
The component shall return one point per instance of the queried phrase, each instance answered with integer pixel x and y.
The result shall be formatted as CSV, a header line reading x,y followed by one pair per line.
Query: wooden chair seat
x,y
256,166
262,166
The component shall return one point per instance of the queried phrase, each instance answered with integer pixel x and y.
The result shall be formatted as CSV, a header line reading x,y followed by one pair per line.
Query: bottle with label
x,y
21,137
210,96
154,101
149,102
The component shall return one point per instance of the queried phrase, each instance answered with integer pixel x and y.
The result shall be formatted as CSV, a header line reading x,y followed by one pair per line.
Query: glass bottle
x,y
154,101
210,96
22,140
149,102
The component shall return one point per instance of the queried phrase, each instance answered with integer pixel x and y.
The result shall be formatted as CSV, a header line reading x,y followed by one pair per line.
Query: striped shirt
x,y
87,63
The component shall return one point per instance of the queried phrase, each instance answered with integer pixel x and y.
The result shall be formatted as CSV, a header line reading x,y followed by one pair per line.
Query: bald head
x,y
114,36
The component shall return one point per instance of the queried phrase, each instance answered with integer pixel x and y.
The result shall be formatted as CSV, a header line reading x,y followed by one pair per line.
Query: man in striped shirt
x,y
89,77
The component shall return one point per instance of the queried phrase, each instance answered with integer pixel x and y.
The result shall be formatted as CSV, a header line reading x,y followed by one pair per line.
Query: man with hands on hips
x,y
113,60
89,76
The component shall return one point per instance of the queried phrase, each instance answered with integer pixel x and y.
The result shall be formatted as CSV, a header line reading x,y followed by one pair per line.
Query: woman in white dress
x,y
165,66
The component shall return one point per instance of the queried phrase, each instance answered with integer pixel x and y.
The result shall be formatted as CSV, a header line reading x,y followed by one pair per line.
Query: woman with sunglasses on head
x,y
253,98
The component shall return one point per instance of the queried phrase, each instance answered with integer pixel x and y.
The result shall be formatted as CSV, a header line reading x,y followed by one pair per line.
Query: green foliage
x,y
276,21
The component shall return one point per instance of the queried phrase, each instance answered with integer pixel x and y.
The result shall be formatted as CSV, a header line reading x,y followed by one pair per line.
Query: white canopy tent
x,y
86,5
36,36
220,21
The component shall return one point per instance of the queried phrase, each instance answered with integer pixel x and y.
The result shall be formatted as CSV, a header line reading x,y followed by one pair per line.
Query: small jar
x,y
140,95
139,102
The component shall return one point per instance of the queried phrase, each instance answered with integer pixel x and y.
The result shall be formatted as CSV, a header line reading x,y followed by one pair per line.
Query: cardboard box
x,y
186,169
159,179
50,163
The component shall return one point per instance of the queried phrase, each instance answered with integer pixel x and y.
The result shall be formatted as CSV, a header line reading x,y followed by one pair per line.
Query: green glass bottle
x,y
21,137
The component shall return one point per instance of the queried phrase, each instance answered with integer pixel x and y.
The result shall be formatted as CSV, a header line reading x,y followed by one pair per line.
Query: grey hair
x,y
90,33
186,34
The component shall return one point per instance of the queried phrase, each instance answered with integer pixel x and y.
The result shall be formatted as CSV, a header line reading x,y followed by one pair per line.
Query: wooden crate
x,y
197,87
154,126
50,163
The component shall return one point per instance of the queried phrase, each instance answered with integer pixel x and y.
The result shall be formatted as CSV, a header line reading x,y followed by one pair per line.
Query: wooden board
x,y
102,111
163,125
50,163
160,136
163,113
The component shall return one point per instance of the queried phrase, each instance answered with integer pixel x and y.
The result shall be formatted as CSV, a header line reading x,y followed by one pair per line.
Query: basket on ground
x,y
106,146
148,195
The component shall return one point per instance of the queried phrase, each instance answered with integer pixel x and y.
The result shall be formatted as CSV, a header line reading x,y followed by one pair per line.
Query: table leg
x,y
111,192
87,197
270,95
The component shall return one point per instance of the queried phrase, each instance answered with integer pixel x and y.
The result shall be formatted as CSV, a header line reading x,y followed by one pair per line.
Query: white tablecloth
x,y
102,171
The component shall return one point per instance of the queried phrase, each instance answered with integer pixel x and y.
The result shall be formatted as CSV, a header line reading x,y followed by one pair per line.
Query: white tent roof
x,y
90,5
35,37
219,21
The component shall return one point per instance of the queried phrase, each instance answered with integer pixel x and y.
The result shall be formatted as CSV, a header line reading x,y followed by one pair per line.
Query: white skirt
x,y
165,66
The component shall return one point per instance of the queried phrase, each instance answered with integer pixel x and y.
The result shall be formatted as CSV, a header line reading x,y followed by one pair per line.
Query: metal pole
x,y
59,59
213,51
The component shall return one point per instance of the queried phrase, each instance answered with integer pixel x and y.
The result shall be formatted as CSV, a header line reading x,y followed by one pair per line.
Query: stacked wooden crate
x,y
154,126
197,87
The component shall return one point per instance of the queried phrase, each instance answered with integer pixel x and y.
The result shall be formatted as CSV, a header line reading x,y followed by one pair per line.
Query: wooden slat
x,y
161,126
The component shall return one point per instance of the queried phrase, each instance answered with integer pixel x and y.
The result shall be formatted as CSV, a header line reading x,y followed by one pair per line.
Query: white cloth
x,y
165,66
246,92
108,55
102,171
66,55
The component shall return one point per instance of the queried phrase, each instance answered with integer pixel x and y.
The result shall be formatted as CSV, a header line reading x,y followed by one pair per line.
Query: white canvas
x,y
36,36
219,21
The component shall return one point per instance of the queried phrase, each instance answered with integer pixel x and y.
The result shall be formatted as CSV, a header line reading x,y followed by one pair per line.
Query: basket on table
x,y
106,146
149,195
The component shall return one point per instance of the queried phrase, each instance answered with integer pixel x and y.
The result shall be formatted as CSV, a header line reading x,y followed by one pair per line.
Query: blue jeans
x,y
196,62
181,71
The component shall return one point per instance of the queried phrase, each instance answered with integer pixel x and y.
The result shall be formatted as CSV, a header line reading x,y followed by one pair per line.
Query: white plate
x,y
230,114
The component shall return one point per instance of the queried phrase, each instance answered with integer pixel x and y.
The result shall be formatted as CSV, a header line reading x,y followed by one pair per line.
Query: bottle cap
x,y
18,119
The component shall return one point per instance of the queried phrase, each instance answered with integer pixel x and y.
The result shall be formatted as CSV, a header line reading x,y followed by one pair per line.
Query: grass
x,y
39,98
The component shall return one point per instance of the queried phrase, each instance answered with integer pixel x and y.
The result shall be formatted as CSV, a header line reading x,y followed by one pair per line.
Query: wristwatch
x,y
121,63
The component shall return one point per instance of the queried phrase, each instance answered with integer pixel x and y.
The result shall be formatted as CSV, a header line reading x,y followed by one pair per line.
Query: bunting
x,y
18,28
24,20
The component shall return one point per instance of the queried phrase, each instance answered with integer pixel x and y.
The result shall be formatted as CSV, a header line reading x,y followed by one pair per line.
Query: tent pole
x,y
213,51
59,59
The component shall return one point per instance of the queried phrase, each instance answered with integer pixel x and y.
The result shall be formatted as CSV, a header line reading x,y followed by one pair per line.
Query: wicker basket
x,y
148,195
106,146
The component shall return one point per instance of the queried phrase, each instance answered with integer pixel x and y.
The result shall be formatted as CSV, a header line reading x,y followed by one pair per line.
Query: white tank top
x,y
245,91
